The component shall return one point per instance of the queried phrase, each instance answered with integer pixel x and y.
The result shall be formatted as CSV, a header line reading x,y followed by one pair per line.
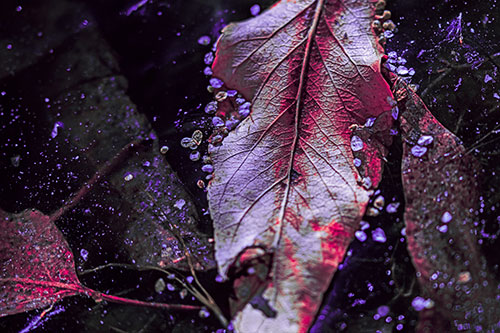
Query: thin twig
x,y
102,172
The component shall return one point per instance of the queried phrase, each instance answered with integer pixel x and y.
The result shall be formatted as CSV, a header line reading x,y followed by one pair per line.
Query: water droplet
x,y
208,168
194,156
388,34
84,254
164,150
186,142
211,107
357,162
244,112
180,203
216,83
208,71
425,140
128,177
446,217
392,207
231,123
420,303
189,279
204,313
379,202
418,151
395,112
55,130
364,225
220,96
356,143
255,10
383,310
367,183
197,137
487,78
183,293
208,58
231,93
378,235
160,285
370,121
217,121
170,287
391,101
204,40
443,228
360,235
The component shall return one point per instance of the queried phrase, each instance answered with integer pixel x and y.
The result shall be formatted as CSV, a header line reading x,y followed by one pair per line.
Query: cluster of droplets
x,y
193,143
383,25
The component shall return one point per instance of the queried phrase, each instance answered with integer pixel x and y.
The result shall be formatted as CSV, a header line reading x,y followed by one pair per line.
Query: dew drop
x,y
367,182
84,254
356,143
208,71
186,142
425,140
128,177
360,235
204,313
164,150
217,121
216,83
378,235
194,156
370,121
211,107
392,207
255,10
395,112
208,168
446,217
357,162
204,40
160,285
418,151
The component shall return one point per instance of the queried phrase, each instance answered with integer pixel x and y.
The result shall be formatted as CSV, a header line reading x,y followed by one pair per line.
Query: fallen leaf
x,y
37,267
284,180
440,181
36,264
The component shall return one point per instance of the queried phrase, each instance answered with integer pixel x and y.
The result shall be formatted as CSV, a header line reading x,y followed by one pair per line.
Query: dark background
x,y
158,53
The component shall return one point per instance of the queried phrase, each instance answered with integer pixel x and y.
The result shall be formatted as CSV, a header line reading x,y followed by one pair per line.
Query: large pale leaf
x,y
442,199
285,182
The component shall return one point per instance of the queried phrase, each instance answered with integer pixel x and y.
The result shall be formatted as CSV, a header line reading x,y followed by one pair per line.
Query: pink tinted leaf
x,y
36,263
285,181
37,267
442,199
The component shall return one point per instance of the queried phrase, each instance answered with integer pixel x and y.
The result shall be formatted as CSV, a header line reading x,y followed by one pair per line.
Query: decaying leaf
x,y
36,264
442,199
37,267
285,181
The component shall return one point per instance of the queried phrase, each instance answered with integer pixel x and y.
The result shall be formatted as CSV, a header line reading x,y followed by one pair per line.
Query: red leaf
x,y
442,198
284,179
37,267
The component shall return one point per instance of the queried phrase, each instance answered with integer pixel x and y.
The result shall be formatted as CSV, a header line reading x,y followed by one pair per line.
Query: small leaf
x,y
36,263
442,199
